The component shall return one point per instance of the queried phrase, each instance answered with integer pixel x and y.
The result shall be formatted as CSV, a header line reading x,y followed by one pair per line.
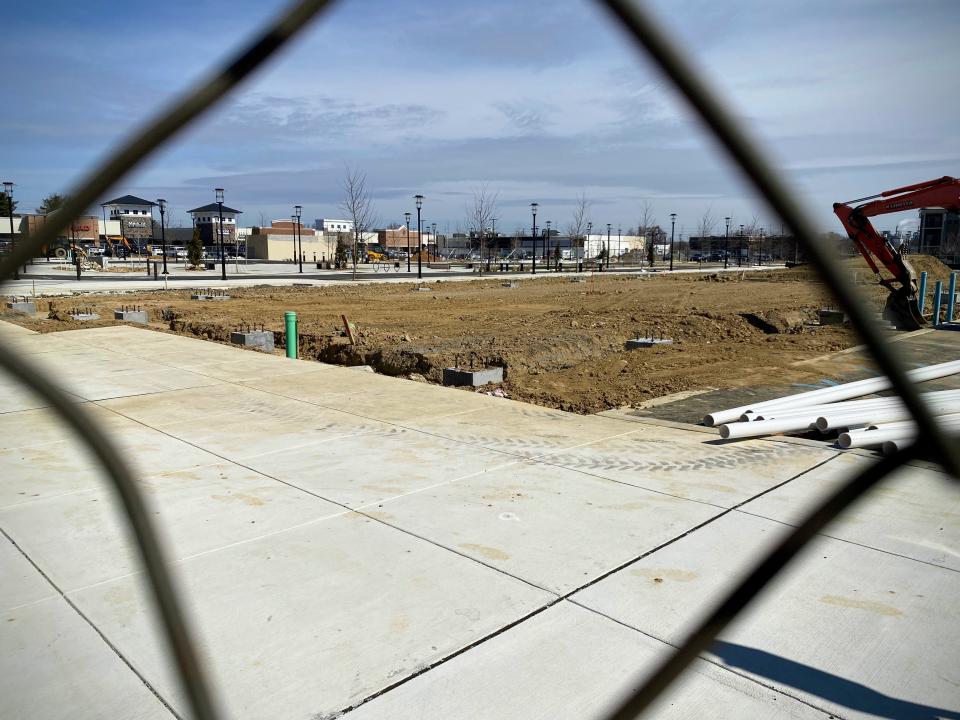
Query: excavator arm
x,y
943,192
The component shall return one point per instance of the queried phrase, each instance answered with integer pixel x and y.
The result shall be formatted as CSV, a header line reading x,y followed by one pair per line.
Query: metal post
x,y
297,237
726,244
937,297
618,243
606,254
8,190
163,235
407,216
223,254
533,234
673,221
740,249
290,324
952,296
419,199
922,293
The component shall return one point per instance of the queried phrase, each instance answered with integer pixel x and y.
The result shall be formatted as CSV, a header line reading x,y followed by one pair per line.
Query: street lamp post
x,y
760,249
607,254
546,245
218,192
618,242
298,238
407,216
673,221
162,204
726,243
419,199
433,232
740,249
533,209
583,251
493,234
8,191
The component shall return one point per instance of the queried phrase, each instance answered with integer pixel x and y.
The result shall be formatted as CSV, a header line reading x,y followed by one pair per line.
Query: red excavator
x,y
902,304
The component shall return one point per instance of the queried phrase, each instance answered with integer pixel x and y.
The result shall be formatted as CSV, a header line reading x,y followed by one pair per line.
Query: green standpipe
x,y
290,319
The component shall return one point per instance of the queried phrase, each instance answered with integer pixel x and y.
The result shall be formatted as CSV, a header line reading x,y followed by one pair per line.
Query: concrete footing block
x,y
210,295
259,339
22,307
647,342
473,378
85,317
831,317
134,316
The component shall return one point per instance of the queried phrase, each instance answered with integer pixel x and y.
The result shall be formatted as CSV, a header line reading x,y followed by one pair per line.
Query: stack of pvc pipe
x,y
834,408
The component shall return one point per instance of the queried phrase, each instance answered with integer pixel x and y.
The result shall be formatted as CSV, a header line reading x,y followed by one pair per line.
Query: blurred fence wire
x,y
651,39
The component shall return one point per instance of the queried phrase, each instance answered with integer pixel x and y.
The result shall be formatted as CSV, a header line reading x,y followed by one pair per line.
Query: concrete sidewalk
x,y
358,544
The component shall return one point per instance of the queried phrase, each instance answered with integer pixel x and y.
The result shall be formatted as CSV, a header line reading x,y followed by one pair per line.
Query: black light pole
x,y
740,249
607,258
673,220
419,199
583,251
493,231
618,243
298,209
760,249
407,216
223,255
546,245
162,204
8,191
726,243
123,247
533,209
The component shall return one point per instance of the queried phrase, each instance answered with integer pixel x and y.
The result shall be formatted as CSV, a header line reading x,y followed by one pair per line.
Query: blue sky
x,y
538,101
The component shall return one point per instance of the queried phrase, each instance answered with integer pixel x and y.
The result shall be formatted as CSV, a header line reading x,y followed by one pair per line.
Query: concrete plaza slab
x,y
354,545
833,629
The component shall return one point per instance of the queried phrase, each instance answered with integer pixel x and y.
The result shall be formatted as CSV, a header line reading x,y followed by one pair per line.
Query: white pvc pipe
x,y
851,405
833,420
816,409
731,431
895,432
834,393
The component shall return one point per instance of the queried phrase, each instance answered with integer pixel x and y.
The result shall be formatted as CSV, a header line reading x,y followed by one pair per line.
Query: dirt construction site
x,y
560,339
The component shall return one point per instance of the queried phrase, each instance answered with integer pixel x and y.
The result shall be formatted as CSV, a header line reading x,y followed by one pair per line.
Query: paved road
x,y
44,279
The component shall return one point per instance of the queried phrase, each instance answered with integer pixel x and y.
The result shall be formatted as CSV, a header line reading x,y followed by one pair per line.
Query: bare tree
x,y
480,212
705,227
577,227
646,227
357,205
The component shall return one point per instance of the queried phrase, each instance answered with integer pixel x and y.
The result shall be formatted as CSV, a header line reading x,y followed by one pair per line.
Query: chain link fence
x,y
679,69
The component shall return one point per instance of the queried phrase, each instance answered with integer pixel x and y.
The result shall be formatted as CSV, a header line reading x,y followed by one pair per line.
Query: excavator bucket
x,y
903,310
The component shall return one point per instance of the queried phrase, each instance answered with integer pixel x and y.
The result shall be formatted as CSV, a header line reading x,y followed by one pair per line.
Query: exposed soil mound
x,y
561,342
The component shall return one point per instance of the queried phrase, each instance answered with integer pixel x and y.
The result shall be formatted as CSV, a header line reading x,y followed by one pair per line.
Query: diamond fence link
x,y
746,154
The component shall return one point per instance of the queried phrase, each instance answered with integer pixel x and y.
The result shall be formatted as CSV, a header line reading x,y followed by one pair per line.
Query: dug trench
x,y
561,343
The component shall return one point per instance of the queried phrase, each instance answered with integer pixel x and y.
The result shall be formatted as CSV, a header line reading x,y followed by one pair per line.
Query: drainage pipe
x,y
874,435
850,405
891,446
952,296
834,420
732,431
922,294
937,299
290,321
831,394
